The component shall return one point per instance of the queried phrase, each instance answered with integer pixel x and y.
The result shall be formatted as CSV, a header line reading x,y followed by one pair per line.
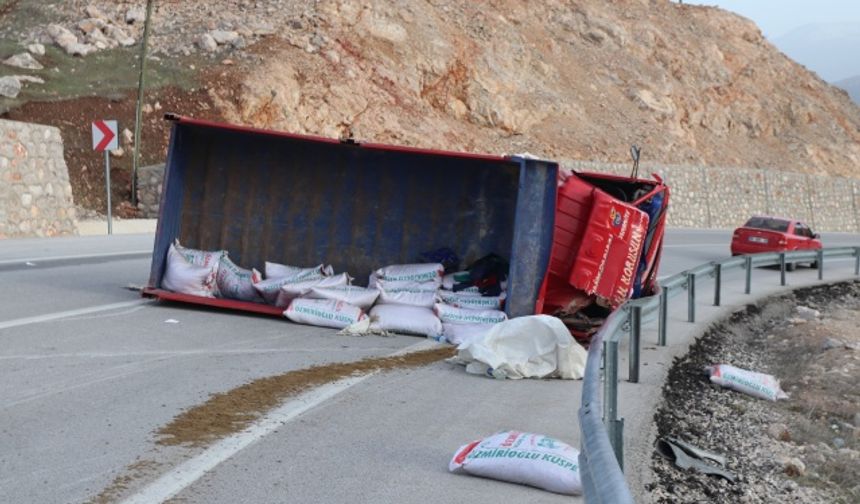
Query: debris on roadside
x,y
689,457
760,438
763,386
521,457
537,346
807,313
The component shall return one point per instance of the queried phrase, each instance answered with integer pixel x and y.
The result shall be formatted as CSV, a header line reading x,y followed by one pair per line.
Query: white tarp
x,y
457,334
538,346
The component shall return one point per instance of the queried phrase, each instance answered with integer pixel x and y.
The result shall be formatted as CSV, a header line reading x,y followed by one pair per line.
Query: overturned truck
x,y
575,250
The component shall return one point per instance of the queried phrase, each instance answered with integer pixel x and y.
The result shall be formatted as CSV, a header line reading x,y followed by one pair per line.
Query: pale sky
x,y
778,17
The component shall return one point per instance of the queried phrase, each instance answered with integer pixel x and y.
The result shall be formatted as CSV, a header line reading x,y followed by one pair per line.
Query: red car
x,y
774,234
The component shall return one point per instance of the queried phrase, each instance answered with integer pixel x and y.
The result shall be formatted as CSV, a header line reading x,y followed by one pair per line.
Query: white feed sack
x,y
763,386
454,315
521,457
292,289
413,273
405,319
206,258
324,313
471,301
422,295
186,278
275,270
237,283
537,346
271,289
352,294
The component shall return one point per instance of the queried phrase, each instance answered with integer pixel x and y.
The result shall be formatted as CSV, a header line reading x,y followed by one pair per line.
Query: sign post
x,y
105,140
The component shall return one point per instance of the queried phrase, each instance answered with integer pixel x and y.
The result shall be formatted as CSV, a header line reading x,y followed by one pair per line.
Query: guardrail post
x,y
748,268
819,258
614,425
718,273
691,297
664,312
856,261
782,268
635,320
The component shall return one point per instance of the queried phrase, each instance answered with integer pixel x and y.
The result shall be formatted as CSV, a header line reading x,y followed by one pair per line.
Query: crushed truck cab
x,y
606,247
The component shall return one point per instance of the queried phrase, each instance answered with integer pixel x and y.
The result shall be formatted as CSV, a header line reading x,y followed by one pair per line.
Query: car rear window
x,y
768,224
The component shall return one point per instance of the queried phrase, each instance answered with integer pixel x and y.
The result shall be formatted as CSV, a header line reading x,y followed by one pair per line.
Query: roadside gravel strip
x,y
804,449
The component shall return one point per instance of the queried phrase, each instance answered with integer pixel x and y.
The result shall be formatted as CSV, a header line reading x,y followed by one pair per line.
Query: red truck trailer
x,y
576,250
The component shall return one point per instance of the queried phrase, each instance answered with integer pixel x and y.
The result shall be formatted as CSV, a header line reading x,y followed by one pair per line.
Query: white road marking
x,y
71,313
185,474
34,261
177,353
691,245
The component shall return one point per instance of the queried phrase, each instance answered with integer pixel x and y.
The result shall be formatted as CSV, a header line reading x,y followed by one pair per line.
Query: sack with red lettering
x,y
323,313
521,457
207,258
186,278
763,386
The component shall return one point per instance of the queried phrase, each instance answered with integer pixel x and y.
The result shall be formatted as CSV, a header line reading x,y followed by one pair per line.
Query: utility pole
x,y
137,141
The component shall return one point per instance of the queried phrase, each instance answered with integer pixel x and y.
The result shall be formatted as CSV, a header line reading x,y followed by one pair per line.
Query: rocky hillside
x,y
559,79
852,86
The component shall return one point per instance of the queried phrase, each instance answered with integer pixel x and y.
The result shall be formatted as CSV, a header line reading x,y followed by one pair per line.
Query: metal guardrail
x,y
601,459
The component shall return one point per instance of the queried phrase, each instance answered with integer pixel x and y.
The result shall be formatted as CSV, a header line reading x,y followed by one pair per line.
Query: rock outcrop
x,y
693,85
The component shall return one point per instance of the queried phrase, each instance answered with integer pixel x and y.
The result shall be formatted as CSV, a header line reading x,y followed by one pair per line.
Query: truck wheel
x,y
813,265
790,266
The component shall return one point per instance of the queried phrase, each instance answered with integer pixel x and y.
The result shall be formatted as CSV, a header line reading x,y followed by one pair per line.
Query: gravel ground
x,y
804,449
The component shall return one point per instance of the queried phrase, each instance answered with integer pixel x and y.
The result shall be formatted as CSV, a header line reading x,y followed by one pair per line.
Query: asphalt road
x,y
88,371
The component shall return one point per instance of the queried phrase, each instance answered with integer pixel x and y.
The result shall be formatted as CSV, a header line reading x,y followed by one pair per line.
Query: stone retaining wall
x,y
149,190
717,197
35,195
702,196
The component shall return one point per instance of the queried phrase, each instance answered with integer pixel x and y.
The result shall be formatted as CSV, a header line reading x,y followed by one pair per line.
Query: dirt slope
x,y
559,79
